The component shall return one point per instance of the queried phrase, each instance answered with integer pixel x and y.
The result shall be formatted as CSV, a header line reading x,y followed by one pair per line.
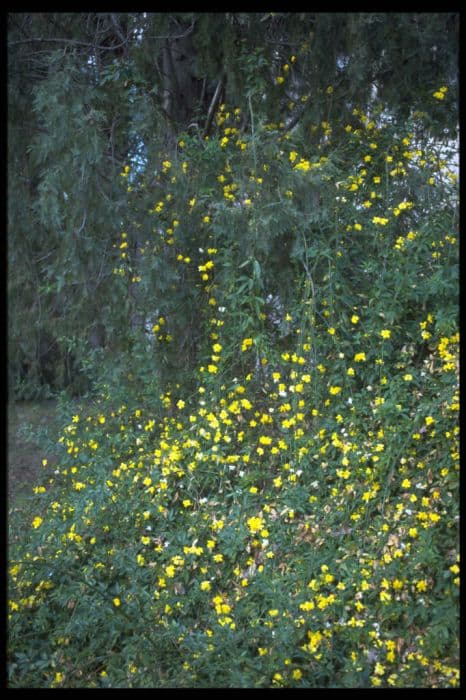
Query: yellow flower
x,y
255,524
314,641
360,357
170,570
37,522
354,318
217,525
116,602
265,440
385,333
303,165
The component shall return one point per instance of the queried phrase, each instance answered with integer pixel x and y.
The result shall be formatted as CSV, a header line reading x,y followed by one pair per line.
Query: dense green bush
x,y
287,514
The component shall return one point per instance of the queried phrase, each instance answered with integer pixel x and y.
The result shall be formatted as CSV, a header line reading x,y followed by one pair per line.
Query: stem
x,y
253,136
310,285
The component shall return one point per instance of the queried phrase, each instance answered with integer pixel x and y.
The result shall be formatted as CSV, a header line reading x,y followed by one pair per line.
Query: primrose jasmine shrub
x,y
267,495
166,543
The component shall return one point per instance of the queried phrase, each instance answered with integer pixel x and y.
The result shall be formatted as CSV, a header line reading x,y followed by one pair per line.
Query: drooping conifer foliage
x,y
234,237
93,94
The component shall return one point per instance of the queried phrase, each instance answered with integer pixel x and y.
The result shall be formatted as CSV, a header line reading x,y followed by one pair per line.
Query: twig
x,y
213,107
188,31
68,41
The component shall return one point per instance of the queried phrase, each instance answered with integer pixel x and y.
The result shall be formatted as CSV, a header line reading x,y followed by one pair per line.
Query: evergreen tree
x,y
93,95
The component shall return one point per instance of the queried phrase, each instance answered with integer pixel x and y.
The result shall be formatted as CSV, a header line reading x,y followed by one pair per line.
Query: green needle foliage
x,y
263,491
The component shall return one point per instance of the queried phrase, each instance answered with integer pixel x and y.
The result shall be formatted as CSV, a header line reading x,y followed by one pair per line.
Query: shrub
x,y
287,514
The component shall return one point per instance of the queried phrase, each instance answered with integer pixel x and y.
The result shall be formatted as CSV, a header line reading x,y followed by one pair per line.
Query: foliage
x,y
287,515
91,93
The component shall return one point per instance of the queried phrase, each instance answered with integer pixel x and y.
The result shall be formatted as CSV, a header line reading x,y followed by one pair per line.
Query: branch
x,y
83,223
213,107
68,41
296,117
187,31
117,27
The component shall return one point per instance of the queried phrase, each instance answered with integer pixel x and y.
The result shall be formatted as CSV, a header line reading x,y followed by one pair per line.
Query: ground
x,y
25,455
